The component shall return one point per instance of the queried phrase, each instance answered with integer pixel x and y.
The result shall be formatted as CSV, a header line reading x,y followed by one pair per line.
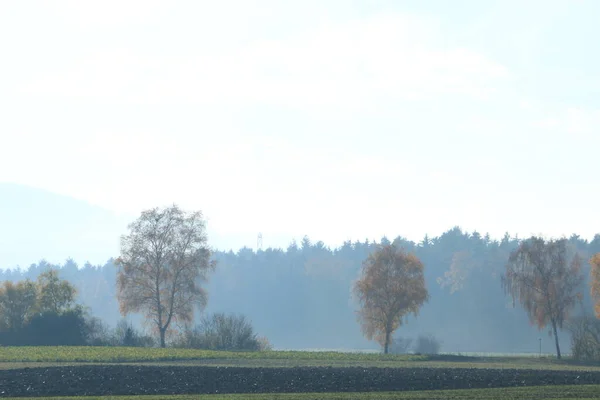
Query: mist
x,y
300,297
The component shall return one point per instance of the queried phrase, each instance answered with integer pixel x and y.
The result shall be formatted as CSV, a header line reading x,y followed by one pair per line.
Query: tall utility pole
x,y
259,242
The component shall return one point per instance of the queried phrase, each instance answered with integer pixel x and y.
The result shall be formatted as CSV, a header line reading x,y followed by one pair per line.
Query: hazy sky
x,y
337,119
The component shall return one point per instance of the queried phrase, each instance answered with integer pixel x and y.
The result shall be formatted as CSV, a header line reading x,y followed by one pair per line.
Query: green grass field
x,y
525,393
16,357
138,354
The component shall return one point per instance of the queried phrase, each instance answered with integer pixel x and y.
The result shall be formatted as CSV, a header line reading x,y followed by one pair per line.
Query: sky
x,y
340,120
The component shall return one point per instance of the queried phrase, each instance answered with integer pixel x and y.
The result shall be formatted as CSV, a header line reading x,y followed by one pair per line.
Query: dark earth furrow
x,y
138,380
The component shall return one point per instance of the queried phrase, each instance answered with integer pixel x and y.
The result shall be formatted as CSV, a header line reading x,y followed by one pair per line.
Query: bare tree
x,y
162,261
392,286
540,275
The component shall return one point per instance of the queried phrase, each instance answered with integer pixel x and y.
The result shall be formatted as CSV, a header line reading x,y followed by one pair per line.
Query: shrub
x,y
97,332
223,332
126,335
264,344
400,345
585,338
427,344
53,329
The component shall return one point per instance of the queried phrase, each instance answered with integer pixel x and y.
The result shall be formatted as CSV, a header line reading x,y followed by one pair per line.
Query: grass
x,y
140,354
526,393
18,357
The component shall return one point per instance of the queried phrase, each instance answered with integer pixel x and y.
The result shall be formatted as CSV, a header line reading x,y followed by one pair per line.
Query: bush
x,y
97,332
223,332
126,335
585,338
400,345
62,325
264,344
50,329
427,344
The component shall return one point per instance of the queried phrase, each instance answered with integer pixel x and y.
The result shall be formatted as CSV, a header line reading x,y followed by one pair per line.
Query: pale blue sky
x,y
337,119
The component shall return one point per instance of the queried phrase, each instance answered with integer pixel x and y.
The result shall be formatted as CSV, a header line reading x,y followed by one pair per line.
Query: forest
x,y
301,297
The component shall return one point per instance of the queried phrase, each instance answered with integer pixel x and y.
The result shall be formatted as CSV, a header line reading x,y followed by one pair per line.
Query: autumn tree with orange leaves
x,y
595,282
541,277
162,261
392,286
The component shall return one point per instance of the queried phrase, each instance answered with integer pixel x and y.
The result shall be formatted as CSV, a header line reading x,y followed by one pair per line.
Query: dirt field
x,y
100,380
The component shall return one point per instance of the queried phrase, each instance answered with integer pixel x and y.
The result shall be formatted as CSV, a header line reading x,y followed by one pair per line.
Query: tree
x,y
161,262
463,264
55,295
595,282
540,275
392,285
41,313
20,301
17,304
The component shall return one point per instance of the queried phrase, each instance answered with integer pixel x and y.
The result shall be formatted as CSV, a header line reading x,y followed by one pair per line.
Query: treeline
x,y
300,297
41,313
45,313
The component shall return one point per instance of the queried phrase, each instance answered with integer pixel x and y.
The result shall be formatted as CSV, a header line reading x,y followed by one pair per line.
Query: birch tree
x,y
392,285
163,260
545,280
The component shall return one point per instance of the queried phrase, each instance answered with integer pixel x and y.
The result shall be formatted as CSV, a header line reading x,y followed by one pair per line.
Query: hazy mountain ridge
x,y
36,224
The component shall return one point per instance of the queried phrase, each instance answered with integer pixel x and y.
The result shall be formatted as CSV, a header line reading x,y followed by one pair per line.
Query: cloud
x,y
547,123
582,122
525,105
94,14
351,66
344,65
404,140
572,122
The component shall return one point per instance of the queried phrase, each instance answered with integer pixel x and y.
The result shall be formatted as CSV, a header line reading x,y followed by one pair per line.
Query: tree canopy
x,y
55,295
18,302
392,286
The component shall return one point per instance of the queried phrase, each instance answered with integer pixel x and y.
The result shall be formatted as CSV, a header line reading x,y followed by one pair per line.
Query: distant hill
x,y
36,224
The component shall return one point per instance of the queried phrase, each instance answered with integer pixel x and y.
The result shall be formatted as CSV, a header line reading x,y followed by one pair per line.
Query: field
x,y
101,371
137,354
529,393
11,357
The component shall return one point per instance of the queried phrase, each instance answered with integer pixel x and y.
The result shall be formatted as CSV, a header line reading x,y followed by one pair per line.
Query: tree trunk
x,y
162,338
555,332
386,348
